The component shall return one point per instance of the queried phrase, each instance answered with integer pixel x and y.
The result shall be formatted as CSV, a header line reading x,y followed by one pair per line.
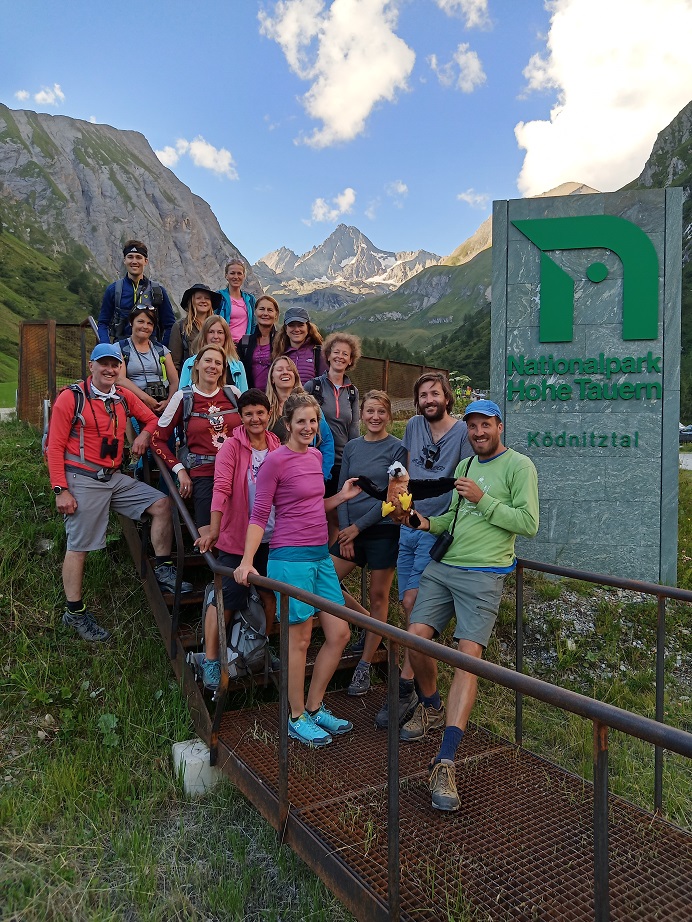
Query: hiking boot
x,y
406,707
166,574
360,683
86,626
358,645
423,719
325,720
211,674
443,786
305,730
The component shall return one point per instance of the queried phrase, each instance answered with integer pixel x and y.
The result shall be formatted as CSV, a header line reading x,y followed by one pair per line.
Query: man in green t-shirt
x,y
496,499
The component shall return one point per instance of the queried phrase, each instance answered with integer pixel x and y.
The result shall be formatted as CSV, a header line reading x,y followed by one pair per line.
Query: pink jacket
x,y
230,488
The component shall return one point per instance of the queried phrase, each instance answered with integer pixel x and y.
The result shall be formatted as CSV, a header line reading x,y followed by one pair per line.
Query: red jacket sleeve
x,y
61,418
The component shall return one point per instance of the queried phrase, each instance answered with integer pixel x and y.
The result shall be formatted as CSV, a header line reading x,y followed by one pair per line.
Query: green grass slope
x,y
34,286
407,314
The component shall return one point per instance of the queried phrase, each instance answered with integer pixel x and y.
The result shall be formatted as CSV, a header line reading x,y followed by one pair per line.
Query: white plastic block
x,y
191,762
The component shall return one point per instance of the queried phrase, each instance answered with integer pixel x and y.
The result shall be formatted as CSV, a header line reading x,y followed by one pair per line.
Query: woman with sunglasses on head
x,y
215,331
283,381
291,481
205,415
365,538
255,349
237,306
147,369
198,302
301,341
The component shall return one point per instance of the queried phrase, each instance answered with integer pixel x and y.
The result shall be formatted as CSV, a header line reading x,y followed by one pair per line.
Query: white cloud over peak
x,y
622,70
474,12
397,191
350,53
465,70
49,95
322,210
202,153
21,95
474,199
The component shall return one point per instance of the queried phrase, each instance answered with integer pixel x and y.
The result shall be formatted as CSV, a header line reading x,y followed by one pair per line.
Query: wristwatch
x,y
59,490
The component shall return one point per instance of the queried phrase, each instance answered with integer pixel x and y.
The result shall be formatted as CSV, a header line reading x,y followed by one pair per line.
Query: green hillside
x,y
34,286
404,316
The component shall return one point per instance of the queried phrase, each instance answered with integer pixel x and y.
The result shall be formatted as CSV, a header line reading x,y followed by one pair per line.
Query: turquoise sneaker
x,y
211,674
327,721
306,731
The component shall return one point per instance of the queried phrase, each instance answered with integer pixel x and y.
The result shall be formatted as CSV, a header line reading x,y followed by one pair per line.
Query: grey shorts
x,y
86,528
472,595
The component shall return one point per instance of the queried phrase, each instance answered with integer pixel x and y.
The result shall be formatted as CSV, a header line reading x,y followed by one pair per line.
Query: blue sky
x,y
405,118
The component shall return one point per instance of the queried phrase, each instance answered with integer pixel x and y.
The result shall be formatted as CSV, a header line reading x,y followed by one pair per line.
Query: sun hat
x,y
215,296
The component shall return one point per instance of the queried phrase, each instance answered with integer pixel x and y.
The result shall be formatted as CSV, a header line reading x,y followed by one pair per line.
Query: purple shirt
x,y
292,482
304,357
261,360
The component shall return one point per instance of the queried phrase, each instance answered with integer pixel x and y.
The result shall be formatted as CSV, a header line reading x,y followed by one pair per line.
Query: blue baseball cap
x,y
105,351
485,408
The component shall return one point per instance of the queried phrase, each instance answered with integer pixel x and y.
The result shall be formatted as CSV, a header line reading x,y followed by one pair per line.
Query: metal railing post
x,y
519,654
393,866
660,699
282,786
600,823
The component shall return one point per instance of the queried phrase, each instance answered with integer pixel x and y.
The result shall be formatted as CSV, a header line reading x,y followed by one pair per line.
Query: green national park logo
x,y
640,272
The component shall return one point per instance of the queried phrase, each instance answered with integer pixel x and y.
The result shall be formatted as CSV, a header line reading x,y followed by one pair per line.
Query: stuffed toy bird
x,y
399,501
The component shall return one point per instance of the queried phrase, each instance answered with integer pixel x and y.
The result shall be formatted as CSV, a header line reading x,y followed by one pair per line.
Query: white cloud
x,y
474,199
202,153
371,211
92,119
21,95
464,70
351,55
397,191
622,70
475,12
322,210
50,96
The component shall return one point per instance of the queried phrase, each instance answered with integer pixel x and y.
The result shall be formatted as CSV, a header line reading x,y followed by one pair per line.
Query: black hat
x,y
215,296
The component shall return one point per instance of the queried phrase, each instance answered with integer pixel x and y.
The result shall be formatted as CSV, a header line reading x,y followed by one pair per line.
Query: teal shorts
x,y
316,575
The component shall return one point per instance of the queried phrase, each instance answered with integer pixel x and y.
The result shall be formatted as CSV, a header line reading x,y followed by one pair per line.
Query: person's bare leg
x,y
161,526
211,631
380,584
407,603
73,574
463,690
298,643
424,667
336,636
268,600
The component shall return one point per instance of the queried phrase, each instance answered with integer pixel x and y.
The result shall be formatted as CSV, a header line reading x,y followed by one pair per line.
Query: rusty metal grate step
x,y
519,849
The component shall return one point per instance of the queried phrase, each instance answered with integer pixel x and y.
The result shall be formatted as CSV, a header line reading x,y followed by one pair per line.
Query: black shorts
x,y
202,492
235,595
377,547
331,486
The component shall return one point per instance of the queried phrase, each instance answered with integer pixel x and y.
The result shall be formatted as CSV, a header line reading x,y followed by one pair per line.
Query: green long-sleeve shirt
x,y
485,532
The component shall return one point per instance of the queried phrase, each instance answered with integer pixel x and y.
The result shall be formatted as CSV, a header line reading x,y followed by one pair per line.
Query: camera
x,y
157,390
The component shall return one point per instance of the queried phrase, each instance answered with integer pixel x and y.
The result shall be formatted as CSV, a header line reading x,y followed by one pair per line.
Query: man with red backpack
x,y
84,454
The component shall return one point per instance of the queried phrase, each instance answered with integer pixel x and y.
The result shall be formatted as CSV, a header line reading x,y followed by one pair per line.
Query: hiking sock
x,y
451,739
431,701
163,559
405,687
311,713
76,608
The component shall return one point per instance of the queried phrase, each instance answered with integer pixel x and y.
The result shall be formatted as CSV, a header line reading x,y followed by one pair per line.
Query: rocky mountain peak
x,y
96,186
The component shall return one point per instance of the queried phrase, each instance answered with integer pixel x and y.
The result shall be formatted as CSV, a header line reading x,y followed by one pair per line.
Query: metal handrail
x,y
602,715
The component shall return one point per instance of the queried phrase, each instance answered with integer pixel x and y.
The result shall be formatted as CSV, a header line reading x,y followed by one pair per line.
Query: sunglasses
x,y
430,455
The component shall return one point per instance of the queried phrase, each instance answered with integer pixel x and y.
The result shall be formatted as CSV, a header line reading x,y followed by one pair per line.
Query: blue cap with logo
x,y
485,408
105,351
